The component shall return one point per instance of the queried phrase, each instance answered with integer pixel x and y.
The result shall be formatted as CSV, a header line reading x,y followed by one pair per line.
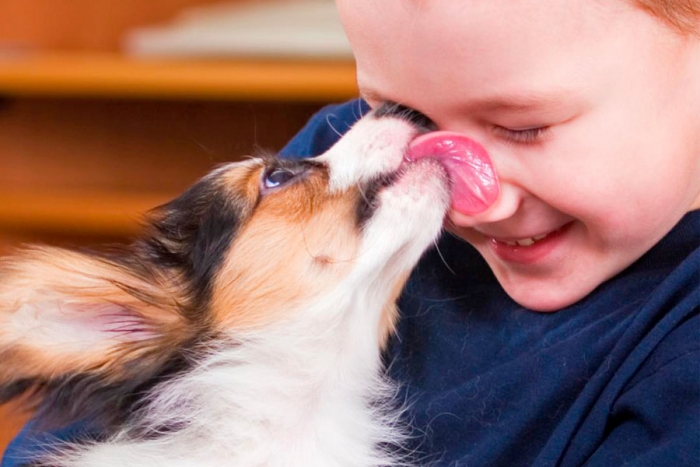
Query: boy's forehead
x,y
469,30
448,19
494,47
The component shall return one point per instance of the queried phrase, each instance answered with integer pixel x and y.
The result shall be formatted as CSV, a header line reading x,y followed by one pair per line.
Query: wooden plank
x,y
113,75
91,168
84,214
60,145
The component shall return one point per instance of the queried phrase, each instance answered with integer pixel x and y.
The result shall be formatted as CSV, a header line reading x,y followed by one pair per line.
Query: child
x,y
565,330
591,114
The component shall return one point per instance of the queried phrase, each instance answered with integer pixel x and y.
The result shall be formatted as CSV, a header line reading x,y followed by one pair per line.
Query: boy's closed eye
x,y
522,136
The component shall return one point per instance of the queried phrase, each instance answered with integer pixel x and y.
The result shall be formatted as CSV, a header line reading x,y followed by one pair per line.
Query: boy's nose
x,y
505,207
484,189
474,181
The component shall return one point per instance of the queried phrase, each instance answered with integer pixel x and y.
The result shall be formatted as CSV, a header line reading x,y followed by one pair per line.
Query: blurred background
x,y
111,107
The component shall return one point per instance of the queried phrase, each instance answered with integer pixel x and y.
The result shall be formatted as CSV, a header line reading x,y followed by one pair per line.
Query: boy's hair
x,y
683,15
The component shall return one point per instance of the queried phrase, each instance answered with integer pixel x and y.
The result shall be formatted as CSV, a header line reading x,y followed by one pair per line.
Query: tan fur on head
x,y
299,243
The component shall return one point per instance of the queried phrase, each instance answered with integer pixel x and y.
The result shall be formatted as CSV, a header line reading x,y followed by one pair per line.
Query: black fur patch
x,y
106,406
368,202
15,389
193,234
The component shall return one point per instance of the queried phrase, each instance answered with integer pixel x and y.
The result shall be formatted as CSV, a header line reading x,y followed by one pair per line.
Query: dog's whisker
x,y
330,125
436,244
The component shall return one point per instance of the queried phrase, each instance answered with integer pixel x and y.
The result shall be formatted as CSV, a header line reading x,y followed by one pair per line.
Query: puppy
x,y
245,328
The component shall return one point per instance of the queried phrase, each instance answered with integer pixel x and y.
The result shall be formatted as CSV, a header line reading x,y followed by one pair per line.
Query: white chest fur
x,y
306,395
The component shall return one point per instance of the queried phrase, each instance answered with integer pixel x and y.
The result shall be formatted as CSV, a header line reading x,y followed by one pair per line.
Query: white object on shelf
x,y
279,29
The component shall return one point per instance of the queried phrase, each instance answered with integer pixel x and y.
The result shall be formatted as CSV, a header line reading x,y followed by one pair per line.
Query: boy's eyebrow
x,y
521,102
516,102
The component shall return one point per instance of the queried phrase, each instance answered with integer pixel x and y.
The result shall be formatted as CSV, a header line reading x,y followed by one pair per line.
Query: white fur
x,y
53,323
371,147
309,391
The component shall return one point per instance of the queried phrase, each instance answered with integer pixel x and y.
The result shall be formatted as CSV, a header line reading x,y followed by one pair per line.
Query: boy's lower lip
x,y
528,254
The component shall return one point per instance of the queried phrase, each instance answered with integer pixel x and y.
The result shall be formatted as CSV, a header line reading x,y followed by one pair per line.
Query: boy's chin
x,y
546,296
549,303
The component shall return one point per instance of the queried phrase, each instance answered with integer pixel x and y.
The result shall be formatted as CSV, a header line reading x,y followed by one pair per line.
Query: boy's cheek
x,y
461,220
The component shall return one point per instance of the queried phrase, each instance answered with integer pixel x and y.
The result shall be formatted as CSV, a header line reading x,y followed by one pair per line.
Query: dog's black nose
x,y
401,111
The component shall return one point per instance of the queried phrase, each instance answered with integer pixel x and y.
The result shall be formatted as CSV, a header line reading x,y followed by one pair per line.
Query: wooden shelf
x,y
117,214
170,107
115,76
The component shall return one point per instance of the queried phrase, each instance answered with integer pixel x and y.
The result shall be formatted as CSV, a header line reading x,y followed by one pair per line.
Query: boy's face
x,y
589,111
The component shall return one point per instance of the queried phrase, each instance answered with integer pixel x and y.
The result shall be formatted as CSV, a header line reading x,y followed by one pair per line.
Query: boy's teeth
x,y
526,241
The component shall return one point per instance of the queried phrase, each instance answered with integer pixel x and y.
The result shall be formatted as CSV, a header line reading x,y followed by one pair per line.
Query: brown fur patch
x,y
387,324
300,242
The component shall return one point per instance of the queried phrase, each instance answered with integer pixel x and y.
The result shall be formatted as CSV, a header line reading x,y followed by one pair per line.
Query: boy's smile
x,y
585,108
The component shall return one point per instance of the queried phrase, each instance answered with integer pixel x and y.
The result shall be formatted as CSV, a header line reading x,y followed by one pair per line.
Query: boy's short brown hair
x,y
683,15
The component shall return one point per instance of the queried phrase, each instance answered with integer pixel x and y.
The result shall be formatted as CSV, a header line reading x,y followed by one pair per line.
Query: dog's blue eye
x,y
278,177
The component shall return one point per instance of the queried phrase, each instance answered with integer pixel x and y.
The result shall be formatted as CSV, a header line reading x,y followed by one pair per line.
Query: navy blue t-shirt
x,y
611,380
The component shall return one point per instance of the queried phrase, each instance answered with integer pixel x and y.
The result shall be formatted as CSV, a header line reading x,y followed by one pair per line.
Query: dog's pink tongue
x,y
474,181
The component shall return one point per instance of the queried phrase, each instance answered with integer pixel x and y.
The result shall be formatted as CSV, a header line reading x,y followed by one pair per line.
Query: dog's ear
x,y
65,314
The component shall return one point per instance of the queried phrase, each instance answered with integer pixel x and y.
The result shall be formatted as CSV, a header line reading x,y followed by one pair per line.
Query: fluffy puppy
x,y
245,328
